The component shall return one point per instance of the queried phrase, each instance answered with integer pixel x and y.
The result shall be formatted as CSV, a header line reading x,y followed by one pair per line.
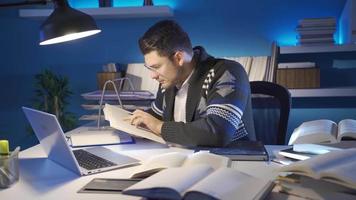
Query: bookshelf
x,y
331,85
107,12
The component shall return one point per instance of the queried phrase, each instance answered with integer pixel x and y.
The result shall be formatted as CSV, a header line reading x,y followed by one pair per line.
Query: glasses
x,y
151,68
155,68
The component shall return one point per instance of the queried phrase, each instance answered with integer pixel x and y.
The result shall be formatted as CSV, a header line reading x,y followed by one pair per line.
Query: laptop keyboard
x,y
90,161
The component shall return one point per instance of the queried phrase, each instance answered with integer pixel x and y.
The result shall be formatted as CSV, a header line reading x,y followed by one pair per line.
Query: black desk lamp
x,y
64,24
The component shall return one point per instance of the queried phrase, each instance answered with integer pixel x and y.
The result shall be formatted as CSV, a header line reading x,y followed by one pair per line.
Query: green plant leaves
x,y
52,93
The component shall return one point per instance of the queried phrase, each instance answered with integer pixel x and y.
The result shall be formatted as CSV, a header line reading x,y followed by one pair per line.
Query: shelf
x,y
107,12
317,49
324,92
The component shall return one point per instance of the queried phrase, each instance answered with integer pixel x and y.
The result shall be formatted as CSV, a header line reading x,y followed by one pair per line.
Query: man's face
x,y
162,69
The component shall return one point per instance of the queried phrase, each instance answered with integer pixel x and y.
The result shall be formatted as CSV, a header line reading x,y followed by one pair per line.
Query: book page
x,y
116,116
313,167
169,183
258,68
317,131
215,161
346,128
159,162
343,174
235,184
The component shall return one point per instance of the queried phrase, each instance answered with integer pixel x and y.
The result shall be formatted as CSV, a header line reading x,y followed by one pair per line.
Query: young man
x,y
202,101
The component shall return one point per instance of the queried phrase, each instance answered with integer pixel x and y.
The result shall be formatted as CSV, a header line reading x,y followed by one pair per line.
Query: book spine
x,y
312,36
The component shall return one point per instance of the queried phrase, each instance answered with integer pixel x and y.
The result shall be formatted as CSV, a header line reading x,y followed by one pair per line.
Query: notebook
x,y
89,136
81,161
241,150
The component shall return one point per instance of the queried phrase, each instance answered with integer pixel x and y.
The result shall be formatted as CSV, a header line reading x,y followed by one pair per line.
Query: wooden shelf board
x,y
324,92
317,49
107,12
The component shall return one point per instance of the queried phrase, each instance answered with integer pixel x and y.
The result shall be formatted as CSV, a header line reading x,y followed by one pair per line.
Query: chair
x,y
271,105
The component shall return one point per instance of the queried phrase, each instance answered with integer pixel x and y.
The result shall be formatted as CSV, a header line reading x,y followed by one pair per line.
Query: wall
x,y
225,28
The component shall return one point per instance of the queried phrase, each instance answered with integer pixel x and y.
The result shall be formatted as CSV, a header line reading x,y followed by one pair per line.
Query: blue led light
x,y
84,3
287,39
340,36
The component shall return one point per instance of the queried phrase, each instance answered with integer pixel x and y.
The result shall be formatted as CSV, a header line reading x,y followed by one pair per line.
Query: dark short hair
x,y
166,37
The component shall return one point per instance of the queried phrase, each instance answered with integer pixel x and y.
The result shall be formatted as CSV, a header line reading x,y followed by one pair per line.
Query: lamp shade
x,y
65,24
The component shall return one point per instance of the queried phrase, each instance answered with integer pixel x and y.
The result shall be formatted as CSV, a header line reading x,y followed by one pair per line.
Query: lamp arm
x,y
30,2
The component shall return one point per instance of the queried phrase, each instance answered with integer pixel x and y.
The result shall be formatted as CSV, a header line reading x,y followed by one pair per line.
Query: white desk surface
x,y
41,178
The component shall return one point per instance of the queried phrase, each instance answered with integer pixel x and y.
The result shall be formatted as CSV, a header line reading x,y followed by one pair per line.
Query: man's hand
x,y
141,118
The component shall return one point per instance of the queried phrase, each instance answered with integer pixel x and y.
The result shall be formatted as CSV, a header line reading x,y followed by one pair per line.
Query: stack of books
x,y
326,176
316,31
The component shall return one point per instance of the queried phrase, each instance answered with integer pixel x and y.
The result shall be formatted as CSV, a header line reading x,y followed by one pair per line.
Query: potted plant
x,y
52,93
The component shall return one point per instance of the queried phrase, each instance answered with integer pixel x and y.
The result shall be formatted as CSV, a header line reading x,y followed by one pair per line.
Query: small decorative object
x,y
105,3
9,165
147,2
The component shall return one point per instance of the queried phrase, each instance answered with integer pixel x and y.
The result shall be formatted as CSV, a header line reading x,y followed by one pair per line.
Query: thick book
x,y
336,167
82,137
243,150
200,182
309,188
118,120
324,131
177,159
313,40
317,22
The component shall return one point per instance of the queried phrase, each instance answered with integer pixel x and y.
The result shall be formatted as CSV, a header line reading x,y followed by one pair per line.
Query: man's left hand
x,y
142,118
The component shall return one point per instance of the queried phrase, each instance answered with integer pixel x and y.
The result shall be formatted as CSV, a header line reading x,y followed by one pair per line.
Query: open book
x,y
176,159
200,182
118,120
323,131
336,167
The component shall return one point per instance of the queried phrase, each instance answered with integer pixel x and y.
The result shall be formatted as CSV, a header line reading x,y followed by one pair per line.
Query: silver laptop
x,y
81,161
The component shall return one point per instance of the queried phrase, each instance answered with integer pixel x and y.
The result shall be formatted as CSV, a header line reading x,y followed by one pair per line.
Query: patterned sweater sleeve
x,y
225,94
157,105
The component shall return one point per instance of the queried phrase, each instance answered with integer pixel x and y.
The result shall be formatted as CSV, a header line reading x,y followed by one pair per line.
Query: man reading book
x,y
202,100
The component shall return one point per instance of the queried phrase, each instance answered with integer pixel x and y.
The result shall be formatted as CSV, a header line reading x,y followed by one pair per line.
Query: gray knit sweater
x,y
218,107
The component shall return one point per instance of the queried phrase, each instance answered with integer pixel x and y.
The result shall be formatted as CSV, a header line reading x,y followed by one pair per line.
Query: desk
x,y
41,178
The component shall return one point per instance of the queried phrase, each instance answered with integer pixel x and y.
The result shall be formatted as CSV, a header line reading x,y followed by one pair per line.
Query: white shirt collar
x,y
185,83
